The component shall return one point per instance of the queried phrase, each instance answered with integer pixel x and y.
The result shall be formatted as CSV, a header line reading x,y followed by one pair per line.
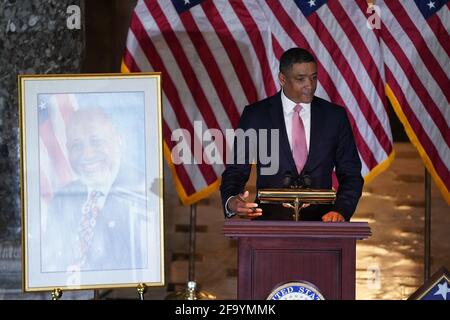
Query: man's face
x,y
94,150
300,82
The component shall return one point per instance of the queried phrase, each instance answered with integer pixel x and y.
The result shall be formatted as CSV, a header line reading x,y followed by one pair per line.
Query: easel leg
x,y
141,288
56,294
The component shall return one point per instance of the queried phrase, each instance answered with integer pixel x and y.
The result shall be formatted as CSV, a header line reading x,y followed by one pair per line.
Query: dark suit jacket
x,y
331,145
119,233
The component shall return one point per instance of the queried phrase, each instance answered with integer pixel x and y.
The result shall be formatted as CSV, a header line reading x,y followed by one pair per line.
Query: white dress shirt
x,y
288,109
305,114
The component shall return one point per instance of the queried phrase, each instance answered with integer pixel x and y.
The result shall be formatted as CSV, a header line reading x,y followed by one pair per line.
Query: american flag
x,y
440,291
215,59
415,40
218,56
437,287
350,67
54,111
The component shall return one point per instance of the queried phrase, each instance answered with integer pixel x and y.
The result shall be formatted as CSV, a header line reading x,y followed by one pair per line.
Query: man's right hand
x,y
242,208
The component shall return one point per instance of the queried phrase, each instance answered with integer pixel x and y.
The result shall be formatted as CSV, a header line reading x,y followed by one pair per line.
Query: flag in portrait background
x,y
415,41
218,56
54,110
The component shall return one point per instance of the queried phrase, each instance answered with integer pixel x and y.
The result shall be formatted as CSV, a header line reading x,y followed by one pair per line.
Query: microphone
x,y
297,181
288,180
306,181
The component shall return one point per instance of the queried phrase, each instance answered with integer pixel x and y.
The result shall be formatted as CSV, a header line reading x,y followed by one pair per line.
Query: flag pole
x,y
192,237
427,247
191,291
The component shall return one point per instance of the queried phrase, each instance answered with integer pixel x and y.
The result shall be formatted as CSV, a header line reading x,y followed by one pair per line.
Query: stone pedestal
x,y
36,37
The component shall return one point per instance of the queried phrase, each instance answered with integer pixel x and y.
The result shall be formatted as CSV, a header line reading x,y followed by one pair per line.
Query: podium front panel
x,y
274,252
328,264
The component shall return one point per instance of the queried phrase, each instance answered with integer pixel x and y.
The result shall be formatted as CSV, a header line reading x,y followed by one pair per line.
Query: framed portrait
x,y
91,181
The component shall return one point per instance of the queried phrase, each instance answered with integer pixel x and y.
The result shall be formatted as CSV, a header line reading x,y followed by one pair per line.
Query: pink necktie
x,y
299,149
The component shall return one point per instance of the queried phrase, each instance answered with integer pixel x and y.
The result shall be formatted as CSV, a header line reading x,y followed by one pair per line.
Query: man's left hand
x,y
333,216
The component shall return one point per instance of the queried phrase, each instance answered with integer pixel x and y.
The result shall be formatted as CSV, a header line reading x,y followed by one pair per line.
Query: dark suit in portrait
x,y
119,236
331,145
98,221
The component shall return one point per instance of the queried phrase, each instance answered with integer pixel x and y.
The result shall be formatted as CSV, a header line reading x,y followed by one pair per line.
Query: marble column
x,y
36,37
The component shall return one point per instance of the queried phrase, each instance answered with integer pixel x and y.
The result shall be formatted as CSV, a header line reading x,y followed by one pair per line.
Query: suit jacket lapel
x,y
314,138
277,116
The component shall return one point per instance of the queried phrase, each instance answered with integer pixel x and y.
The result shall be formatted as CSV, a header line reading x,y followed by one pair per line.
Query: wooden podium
x,y
272,252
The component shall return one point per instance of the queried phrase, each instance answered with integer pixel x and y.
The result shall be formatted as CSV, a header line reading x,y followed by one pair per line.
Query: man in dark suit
x,y
97,222
314,138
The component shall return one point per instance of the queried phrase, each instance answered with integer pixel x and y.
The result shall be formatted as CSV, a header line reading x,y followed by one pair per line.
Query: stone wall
x,y
36,37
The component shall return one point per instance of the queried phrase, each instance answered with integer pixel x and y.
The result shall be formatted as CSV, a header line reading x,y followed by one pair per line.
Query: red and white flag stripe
x,y
218,56
350,69
55,170
214,60
416,56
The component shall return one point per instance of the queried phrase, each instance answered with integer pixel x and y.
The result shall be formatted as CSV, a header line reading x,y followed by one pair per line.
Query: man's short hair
x,y
292,56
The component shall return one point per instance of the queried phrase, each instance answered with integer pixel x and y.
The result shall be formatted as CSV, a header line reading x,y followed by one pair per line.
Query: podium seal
x,y
295,290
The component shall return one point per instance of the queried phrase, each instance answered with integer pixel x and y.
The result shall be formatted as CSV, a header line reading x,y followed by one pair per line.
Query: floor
x,y
389,264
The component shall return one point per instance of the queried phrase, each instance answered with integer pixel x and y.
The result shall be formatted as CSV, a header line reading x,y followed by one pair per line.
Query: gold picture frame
x,y
91,181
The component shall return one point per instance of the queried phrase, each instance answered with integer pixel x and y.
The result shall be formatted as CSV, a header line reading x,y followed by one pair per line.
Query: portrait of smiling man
x,y
93,146
96,221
